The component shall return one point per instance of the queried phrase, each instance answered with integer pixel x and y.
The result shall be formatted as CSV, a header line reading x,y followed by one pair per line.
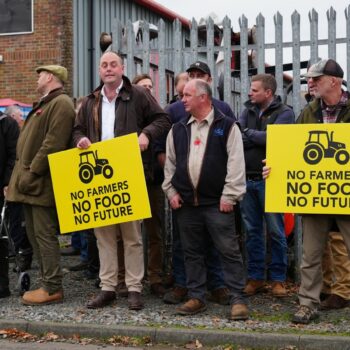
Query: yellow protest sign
x,y
101,185
310,169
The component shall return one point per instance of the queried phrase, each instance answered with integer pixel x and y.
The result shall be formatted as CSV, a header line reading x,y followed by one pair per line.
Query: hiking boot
x,y
104,298
135,301
220,296
279,290
334,301
158,290
121,290
175,296
191,307
253,287
304,315
239,312
41,297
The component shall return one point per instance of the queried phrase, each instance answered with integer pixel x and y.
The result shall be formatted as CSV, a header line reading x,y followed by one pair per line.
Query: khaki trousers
x,y
107,238
316,230
154,238
42,228
336,267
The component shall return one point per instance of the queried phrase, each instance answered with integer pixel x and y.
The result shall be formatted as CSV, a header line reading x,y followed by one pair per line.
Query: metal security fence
x,y
232,57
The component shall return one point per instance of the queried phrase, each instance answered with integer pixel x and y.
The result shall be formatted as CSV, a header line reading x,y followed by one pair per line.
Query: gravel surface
x,y
268,314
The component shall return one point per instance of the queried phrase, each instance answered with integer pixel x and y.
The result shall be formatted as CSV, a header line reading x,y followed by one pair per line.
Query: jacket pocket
x,y
30,183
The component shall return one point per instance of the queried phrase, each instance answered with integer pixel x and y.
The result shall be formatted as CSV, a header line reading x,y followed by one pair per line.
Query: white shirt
x,y
108,115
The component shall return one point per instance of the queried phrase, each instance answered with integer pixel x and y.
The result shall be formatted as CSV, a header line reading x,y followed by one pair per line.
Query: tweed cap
x,y
324,67
59,71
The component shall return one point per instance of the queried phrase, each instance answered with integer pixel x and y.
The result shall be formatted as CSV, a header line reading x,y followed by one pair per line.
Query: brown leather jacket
x,y
136,111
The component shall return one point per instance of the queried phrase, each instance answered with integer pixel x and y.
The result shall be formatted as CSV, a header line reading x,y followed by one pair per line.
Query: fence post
x,y
243,23
313,18
161,64
210,54
296,62
347,16
227,60
278,20
130,67
117,36
260,42
145,48
177,44
332,47
194,41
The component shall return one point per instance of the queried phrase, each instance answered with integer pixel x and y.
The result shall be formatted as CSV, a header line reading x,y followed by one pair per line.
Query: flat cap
x,y
324,67
59,71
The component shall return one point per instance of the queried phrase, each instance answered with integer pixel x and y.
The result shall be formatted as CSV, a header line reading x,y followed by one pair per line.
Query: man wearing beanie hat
x,y
46,130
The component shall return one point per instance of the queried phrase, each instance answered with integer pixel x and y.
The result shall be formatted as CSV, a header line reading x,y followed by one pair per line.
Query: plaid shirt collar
x,y
330,113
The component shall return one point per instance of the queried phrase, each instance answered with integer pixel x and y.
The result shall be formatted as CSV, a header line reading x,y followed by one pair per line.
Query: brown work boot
x,y
175,296
103,298
122,290
253,287
279,290
220,296
334,301
191,307
135,301
239,312
41,297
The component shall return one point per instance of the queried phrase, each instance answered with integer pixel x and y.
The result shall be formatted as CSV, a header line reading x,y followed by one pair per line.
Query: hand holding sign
x,y
84,143
143,142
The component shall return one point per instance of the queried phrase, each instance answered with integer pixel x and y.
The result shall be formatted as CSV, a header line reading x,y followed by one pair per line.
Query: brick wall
x,y
51,43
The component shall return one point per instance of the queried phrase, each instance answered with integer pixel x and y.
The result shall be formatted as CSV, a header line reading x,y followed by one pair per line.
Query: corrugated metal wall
x,y
91,17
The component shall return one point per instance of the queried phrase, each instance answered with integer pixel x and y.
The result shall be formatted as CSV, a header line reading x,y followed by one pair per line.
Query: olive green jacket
x,y
47,129
312,113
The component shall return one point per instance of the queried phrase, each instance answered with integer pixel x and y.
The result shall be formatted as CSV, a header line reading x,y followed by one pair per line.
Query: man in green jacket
x,y
47,130
331,105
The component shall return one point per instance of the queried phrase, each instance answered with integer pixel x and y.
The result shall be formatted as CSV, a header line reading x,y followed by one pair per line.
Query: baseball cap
x,y
59,71
324,67
199,65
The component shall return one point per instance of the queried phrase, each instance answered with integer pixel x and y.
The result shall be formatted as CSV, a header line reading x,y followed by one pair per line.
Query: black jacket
x,y
9,132
254,131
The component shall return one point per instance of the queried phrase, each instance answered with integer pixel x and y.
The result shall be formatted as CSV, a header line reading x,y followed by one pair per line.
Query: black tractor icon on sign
x,y
321,145
91,165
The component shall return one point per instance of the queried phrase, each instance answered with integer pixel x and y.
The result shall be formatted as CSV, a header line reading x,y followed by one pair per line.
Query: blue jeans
x,y
79,241
253,215
215,275
196,226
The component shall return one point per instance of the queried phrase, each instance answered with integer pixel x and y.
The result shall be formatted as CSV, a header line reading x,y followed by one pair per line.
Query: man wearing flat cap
x,y
330,105
46,130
